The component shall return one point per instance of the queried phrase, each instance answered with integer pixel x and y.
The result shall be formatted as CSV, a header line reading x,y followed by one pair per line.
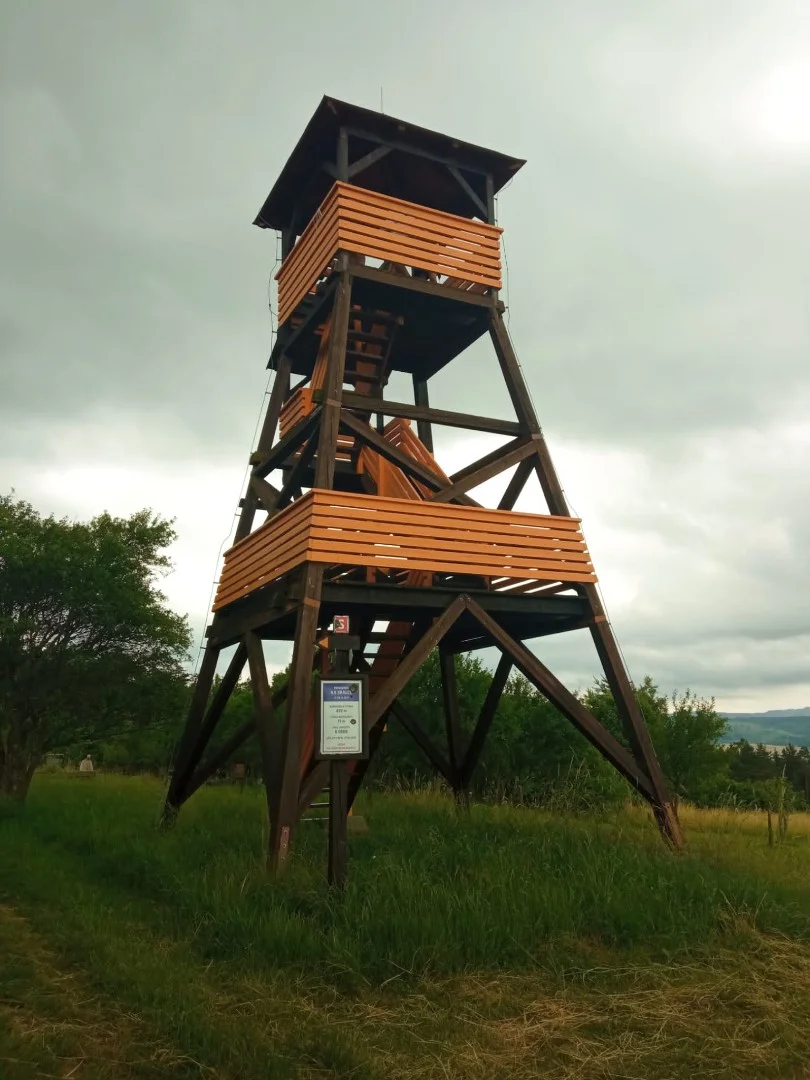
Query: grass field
x,y
475,946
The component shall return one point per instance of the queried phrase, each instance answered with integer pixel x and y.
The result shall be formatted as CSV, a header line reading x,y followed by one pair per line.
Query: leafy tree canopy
x,y
87,642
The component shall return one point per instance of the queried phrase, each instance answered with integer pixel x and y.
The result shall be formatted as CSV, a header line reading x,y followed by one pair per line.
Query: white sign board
x,y
341,728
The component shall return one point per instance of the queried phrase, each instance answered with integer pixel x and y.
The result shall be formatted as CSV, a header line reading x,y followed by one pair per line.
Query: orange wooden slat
x,y
473,247
311,241
379,226
288,523
520,543
451,221
429,560
263,560
440,260
346,545
474,518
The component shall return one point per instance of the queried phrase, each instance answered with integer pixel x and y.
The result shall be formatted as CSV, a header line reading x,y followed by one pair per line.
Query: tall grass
x,y
448,914
432,890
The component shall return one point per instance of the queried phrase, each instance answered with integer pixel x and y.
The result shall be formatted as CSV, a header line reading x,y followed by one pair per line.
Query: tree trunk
x,y
17,767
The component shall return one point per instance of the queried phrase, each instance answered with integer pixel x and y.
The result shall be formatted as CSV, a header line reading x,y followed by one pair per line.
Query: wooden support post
x,y
284,813
524,410
189,740
263,716
424,413
336,365
382,701
490,186
352,426
278,395
484,469
629,710
230,746
292,485
420,398
549,685
285,448
485,718
220,757
338,797
343,155
178,790
424,742
338,817
516,485
452,720
632,718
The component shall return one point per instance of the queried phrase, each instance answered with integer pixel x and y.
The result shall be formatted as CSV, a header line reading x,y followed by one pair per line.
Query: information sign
x,y
341,733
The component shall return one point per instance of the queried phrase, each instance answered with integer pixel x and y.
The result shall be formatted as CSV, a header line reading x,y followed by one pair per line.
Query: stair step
x,y
368,336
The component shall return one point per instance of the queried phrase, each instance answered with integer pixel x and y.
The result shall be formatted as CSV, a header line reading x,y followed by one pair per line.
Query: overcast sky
x,y
658,249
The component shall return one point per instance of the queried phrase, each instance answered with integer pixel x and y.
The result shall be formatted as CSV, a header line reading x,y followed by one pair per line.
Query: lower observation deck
x,y
388,555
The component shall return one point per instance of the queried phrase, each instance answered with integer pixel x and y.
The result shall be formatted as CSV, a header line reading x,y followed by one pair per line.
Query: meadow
x,y
479,944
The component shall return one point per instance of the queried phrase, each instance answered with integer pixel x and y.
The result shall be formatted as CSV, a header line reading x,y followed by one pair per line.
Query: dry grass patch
x,y
51,1025
734,1014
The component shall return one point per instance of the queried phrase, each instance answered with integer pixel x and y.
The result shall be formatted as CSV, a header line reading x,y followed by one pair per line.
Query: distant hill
x,y
776,727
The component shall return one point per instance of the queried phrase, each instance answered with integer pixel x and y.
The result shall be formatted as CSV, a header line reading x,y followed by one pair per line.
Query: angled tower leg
x,y
452,720
626,703
263,712
190,744
189,759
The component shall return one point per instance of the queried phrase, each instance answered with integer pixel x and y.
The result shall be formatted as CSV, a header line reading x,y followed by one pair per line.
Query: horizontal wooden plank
x,y
258,580
440,261
482,519
288,516
437,564
301,255
299,262
445,534
398,235
314,259
267,545
344,190
261,557
271,547
355,499
293,290
315,225
347,548
391,248
417,224
257,583
436,266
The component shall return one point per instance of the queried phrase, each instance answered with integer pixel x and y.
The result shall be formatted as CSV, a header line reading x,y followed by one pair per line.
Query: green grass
x,y
484,944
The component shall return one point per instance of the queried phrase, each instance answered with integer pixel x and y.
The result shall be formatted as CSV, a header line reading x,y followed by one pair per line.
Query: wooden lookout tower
x,y
391,262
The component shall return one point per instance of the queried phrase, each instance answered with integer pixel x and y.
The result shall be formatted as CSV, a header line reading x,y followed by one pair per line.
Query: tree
x,y
86,638
685,730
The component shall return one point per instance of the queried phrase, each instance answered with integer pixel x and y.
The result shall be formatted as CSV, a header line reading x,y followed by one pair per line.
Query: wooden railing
x,y
456,251
347,529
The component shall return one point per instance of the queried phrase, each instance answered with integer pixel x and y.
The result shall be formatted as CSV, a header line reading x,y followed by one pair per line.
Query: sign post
x,y
341,738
